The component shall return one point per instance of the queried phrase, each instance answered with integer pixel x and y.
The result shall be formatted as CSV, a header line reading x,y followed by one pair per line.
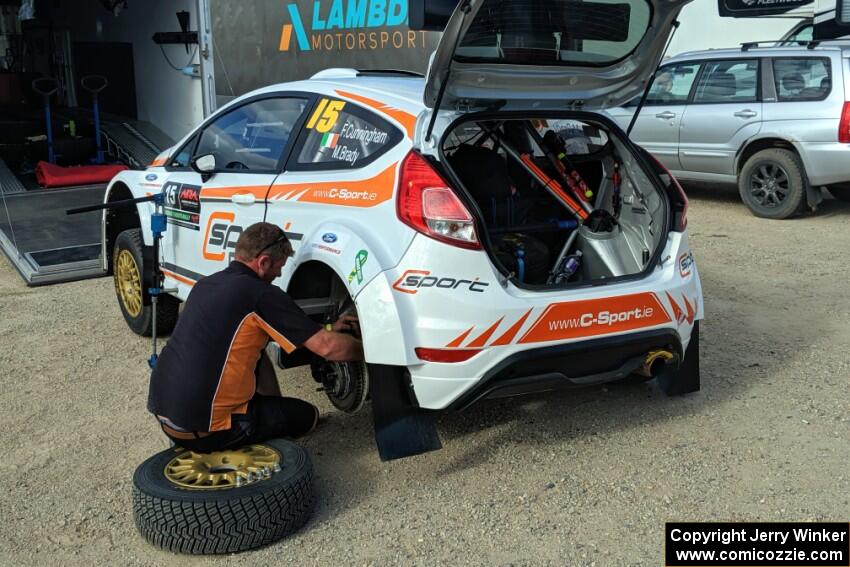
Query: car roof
x,y
399,89
771,51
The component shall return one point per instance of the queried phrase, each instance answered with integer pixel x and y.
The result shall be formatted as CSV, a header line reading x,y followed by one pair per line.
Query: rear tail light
x,y
844,124
679,200
428,205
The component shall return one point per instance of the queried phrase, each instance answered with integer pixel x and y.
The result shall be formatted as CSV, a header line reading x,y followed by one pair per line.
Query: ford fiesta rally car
x,y
494,233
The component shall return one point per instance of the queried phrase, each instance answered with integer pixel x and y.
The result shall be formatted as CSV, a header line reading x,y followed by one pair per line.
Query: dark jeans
x,y
268,417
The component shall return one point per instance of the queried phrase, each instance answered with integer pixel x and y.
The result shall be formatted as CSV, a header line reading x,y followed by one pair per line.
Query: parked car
x,y
773,120
515,241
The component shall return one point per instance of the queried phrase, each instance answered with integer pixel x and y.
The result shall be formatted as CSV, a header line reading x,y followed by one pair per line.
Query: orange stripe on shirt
x,y
274,334
237,383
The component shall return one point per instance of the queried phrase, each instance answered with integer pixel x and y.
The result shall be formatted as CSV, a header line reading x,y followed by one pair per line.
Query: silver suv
x,y
773,120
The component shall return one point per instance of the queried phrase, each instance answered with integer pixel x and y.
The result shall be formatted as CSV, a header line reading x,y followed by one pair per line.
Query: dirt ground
x,y
574,478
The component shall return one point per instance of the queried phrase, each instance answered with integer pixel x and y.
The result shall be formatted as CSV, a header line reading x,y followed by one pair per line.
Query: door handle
x,y
746,113
243,198
666,114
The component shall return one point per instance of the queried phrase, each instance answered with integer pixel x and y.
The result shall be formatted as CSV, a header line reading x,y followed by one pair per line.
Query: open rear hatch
x,y
549,54
560,195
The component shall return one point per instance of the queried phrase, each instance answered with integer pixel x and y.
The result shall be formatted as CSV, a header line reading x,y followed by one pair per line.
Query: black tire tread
x,y
230,525
796,201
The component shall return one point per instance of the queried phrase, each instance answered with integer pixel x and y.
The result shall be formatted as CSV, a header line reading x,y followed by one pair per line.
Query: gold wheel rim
x,y
128,283
223,469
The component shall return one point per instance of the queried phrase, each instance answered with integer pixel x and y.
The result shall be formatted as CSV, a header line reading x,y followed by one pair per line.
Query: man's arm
x,y
335,346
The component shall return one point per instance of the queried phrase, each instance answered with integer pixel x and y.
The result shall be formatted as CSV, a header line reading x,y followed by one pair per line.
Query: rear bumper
x,y
826,162
569,365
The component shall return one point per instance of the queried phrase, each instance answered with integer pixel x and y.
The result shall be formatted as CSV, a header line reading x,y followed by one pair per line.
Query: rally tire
x,y
128,273
772,184
203,522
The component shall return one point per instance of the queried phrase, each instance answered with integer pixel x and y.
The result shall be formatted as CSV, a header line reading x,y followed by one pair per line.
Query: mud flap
x,y
684,379
401,428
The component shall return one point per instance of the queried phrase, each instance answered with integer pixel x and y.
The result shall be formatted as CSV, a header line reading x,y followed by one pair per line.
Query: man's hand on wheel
x,y
347,323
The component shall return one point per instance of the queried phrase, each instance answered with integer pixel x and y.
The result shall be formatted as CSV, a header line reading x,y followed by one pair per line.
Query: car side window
x,y
728,81
672,84
341,135
182,158
801,36
802,79
253,136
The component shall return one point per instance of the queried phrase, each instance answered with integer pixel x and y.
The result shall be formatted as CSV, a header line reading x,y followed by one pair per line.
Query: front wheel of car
x,y
133,299
772,184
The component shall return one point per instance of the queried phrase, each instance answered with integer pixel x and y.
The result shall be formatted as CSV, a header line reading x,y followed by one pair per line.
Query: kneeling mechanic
x,y
213,387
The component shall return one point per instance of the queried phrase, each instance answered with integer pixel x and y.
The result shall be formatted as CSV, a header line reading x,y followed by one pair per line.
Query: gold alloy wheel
x,y
128,283
223,469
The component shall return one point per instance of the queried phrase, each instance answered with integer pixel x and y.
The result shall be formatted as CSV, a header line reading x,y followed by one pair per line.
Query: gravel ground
x,y
574,478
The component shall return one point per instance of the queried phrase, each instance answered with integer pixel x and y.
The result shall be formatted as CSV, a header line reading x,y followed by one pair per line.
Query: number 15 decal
x,y
325,115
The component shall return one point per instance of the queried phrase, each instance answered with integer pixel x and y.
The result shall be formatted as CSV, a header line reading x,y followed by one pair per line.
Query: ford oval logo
x,y
329,237
150,177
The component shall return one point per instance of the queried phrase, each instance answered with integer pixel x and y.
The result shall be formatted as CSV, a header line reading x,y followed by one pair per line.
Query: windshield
x,y
554,32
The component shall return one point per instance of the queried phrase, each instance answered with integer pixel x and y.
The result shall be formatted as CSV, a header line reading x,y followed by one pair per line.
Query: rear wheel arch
x,y
755,146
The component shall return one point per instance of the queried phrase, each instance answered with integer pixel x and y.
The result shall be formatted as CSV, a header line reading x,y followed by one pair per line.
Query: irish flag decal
x,y
329,140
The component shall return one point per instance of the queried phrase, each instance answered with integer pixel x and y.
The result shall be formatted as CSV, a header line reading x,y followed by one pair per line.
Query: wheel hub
x,y
223,469
128,283
769,185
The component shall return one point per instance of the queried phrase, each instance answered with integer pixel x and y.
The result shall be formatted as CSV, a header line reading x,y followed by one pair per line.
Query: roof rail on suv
x,y
809,44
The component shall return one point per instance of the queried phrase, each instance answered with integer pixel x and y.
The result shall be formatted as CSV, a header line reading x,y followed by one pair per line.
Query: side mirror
x,y
205,165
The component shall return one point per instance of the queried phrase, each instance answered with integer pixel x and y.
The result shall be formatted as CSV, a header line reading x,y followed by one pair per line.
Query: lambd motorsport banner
x,y
262,42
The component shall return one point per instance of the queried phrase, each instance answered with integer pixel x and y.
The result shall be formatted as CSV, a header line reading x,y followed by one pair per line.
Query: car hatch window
x,y
672,84
802,79
728,81
341,135
555,32
253,136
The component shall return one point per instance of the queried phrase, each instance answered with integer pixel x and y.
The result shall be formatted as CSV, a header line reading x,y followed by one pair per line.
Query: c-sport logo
x,y
411,281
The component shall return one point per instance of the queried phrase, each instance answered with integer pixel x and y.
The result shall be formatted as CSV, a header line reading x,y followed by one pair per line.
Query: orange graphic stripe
x,y
482,339
404,118
223,215
159,161
677,311
458,341
259,191
511,333
691,312
592,317
285,35
363,193
177,277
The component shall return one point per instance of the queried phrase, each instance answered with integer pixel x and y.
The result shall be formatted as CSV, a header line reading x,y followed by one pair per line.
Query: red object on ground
x,y
52,175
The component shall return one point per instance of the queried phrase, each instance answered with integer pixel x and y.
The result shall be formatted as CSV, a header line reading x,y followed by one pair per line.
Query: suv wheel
x,y
772,184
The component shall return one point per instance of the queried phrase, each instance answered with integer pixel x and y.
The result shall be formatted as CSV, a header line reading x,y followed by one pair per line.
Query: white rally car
x,y
493,231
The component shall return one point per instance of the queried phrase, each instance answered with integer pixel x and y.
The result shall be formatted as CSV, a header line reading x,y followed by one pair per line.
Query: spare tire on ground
x,y
223,502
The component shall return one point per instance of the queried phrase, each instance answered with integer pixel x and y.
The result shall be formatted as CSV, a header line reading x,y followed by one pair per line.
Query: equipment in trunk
x,y
561,201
